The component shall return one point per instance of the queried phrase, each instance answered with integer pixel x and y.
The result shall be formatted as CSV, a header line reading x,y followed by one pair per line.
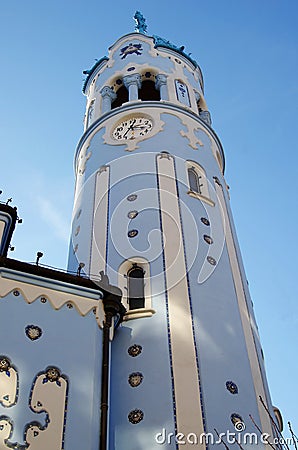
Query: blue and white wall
x,y
50,363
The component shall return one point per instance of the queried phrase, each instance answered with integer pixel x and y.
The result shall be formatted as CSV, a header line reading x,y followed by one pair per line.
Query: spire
x,y
140,20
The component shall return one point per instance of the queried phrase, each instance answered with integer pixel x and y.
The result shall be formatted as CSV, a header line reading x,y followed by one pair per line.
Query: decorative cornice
x,y
33,287
161,42
91,71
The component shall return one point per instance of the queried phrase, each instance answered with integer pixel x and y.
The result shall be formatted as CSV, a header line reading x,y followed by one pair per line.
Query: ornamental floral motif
x,y
182,89
135,416
132,214
52,374
208,239
135,350
135,379
33,332
132,233
232,387
205,221
211,260
130,49
5,365
132,197
238,422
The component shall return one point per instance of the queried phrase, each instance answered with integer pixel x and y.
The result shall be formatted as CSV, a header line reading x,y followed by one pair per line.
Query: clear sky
x,y
247,51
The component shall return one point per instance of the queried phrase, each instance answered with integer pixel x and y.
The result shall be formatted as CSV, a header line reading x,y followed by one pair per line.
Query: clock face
x,y
132,128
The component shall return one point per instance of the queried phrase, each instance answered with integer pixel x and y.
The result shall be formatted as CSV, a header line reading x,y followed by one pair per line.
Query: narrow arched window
x,y
122,97
148,91
136,287
90,113
197,182
194,180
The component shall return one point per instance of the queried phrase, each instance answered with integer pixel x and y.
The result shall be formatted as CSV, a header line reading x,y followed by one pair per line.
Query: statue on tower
x,y
140,20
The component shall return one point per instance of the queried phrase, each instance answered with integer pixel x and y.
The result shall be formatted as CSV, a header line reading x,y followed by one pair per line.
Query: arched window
x,y
90,113
148,91
197,182
194,180
136,287
122,97
134,281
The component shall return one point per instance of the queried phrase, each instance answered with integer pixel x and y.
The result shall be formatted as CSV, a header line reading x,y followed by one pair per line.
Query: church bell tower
x,y
152,213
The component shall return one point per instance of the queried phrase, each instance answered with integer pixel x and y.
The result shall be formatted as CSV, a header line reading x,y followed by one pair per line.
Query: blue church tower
x,y
152,213
149,340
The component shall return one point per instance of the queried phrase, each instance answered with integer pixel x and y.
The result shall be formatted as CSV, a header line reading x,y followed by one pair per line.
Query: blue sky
x,y
247,51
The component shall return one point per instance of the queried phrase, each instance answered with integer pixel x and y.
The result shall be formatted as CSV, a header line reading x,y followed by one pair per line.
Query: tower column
x,y
206,116
133,84
108,96
161,84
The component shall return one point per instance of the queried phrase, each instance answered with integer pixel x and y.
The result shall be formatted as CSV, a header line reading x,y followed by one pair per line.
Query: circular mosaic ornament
x,y
237,421
4,364
132,233
135,416
135,379
211,260
208,239
132,197
53,374
33,332
135,350
232,387
205,221
132,214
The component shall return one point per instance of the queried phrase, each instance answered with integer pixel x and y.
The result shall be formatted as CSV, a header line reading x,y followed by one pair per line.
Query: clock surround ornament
x,y
139,125
132,128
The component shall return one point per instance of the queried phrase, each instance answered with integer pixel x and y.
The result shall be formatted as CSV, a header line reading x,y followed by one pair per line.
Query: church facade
x,y
178,363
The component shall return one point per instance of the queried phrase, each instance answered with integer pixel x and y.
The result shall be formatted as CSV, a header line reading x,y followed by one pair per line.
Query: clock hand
x,y
126,132
130,128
